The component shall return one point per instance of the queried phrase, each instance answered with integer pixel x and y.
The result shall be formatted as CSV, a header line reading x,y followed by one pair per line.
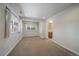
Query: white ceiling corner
x,y
42,10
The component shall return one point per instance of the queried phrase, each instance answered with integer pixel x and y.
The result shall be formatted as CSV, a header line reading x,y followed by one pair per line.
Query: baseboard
x,y
30,36
66,48
13,47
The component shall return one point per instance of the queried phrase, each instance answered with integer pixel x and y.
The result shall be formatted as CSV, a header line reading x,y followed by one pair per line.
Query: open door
x,y
50,31
50,35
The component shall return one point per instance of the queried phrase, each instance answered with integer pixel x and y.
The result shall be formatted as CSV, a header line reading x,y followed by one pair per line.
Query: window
x,y
30,27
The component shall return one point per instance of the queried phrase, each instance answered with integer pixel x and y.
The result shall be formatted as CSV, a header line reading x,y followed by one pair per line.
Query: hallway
x,y
35,46
24,25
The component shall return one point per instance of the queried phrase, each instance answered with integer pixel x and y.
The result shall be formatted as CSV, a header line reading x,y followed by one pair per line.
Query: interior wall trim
x,y
13,46
66,48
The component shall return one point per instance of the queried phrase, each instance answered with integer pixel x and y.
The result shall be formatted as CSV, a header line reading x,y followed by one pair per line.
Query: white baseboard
x,y
66,48
13,46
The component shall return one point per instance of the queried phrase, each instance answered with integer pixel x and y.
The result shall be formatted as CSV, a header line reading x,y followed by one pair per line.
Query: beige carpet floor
x,y
35,46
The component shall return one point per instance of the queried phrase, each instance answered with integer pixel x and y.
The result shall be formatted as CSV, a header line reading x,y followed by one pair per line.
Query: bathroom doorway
x,y
50,29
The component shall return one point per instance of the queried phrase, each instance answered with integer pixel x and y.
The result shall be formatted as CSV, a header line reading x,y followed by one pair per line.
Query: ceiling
x,y
42,10
38,10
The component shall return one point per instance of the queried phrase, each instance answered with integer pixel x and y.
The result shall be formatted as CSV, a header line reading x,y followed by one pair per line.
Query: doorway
x,y
30,28
50,29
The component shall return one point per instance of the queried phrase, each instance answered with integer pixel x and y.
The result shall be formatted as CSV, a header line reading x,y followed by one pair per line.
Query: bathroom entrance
x,y
50,29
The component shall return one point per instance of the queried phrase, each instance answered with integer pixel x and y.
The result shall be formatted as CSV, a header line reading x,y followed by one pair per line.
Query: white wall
x,y
66,28
1,21
15,8
41,28
7,44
